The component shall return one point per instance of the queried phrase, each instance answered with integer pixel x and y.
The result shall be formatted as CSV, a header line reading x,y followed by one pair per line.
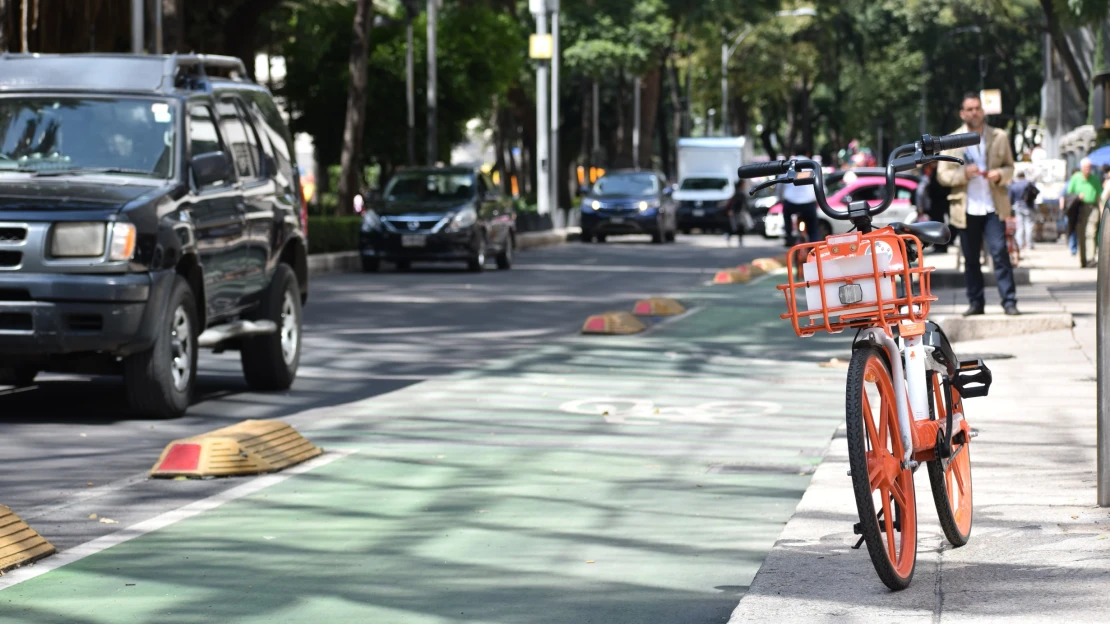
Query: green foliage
x,y
329,234
615,35
479,53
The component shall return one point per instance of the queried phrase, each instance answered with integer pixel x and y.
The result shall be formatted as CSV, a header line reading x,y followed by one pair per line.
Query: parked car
x,y
902,209
437,214
148,208
629,202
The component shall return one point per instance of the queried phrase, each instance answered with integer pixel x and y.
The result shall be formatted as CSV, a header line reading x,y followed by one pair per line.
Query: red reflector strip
x,y
595,324
182,457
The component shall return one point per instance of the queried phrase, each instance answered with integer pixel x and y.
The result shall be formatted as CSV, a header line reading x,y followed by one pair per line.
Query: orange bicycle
x,y
906,387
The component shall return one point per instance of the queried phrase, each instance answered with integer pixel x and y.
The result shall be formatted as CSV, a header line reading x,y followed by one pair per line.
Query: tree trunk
x,y
621,151
351,158
661,123
676,110
1064,50
3,25
649,109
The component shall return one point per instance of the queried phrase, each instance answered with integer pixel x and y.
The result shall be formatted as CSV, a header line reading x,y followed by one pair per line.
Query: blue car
x,y
629,202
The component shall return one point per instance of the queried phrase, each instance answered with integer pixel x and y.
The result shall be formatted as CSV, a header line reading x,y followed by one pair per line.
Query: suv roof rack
x,y
191,71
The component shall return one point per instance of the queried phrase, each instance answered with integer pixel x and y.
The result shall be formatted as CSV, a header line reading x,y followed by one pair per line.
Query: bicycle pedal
x,y
973,379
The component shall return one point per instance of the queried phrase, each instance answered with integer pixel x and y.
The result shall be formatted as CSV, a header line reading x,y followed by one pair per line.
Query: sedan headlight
x,y
92,239
371,221
462,220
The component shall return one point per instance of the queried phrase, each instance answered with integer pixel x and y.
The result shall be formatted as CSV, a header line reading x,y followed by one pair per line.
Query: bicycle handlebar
x,y
902,158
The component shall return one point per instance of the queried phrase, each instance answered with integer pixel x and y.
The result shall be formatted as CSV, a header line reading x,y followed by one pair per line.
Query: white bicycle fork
x,y
911,391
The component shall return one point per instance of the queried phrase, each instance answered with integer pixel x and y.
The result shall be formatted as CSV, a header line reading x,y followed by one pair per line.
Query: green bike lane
x,y
600,479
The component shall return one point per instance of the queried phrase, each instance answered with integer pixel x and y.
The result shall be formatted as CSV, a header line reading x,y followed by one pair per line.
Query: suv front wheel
x,y
270,361
160,380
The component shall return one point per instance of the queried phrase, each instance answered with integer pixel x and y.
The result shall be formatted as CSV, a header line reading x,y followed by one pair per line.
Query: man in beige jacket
x,y
980,204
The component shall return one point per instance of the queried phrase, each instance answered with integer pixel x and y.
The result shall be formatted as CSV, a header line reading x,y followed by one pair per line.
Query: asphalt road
x,y
70,448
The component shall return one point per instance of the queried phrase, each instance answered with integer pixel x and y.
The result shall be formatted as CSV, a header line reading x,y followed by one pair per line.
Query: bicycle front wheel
x,y
950,479
884,490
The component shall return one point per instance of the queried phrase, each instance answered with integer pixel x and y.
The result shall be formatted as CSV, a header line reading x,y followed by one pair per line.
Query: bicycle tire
x,y
893,546
954,507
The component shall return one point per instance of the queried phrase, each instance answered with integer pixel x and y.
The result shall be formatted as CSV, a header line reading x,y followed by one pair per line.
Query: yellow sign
x,y
992,101
540,46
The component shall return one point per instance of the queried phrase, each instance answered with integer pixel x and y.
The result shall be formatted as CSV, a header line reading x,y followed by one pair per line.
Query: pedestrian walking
x,y
801,201
979,204
1023,194
737,208
1087,187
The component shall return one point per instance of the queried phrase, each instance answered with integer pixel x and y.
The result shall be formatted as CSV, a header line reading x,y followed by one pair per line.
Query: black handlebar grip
x,y
955,141
763,169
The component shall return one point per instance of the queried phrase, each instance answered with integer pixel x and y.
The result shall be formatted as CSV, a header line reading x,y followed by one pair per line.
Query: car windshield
x,y
430,186
623,185
703,184
58,135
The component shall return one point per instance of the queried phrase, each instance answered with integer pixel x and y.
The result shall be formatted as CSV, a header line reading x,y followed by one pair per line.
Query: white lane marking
x,y
92,547
611,268
671,319
625,411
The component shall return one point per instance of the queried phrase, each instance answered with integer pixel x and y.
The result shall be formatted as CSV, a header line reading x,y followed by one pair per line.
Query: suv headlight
x,y
92,239
462,220
371,221
646,205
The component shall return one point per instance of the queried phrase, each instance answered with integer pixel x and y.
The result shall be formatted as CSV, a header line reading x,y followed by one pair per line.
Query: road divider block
x,y
250,447
769,264
19,543
658,306
613,323
755,270
740,275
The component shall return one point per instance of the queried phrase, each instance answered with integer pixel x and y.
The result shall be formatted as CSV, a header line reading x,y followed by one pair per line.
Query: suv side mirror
x,y
212,168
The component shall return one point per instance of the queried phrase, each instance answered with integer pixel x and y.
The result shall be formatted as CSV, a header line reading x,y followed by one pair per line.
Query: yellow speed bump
x,y
658,306
754,269
769,264
19,543
250,447
733,276
613,323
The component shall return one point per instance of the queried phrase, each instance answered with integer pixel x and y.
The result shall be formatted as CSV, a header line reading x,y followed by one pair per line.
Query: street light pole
x,y
433,148
543,184
555,168
136,25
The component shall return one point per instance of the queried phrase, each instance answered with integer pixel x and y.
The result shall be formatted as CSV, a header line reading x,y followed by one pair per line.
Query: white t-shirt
x,y
979,201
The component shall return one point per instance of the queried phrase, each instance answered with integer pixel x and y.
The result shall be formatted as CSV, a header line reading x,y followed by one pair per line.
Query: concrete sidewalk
x,y
1039,548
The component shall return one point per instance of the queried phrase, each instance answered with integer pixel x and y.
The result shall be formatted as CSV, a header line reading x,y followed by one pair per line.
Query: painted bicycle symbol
x,y
623,411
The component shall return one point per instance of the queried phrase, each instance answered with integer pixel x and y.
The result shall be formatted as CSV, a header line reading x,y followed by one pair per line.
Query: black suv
x,y
148,208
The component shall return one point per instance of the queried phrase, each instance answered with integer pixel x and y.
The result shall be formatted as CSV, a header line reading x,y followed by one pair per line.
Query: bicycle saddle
x,y
929,231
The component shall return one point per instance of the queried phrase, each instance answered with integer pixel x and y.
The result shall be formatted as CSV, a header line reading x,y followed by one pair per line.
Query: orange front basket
x,y
856,280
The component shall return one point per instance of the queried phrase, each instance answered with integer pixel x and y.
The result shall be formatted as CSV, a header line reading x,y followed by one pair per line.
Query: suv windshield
x,y
430,186
628,184
703,184
57,135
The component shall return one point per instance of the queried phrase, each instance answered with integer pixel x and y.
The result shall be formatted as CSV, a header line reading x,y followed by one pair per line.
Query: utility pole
x,y
556,176
158,27
432,146
137,39
636,123
410,88
540,50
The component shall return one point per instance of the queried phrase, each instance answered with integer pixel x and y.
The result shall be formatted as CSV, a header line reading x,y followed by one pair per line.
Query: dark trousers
x,y
807,213
991,228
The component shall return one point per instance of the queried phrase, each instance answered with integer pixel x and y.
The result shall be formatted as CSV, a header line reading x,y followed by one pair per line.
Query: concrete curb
x,y
962,329
348,261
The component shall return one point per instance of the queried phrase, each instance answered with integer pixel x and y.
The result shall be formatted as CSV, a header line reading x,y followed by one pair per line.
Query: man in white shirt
x,y
801,201
980,204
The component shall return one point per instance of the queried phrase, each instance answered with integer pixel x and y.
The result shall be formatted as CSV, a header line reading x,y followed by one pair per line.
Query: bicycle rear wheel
x,y
884,490
950,478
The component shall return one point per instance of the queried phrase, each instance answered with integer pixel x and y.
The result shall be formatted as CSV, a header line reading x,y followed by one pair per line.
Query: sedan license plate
x,y
617,220
412,240
699,213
